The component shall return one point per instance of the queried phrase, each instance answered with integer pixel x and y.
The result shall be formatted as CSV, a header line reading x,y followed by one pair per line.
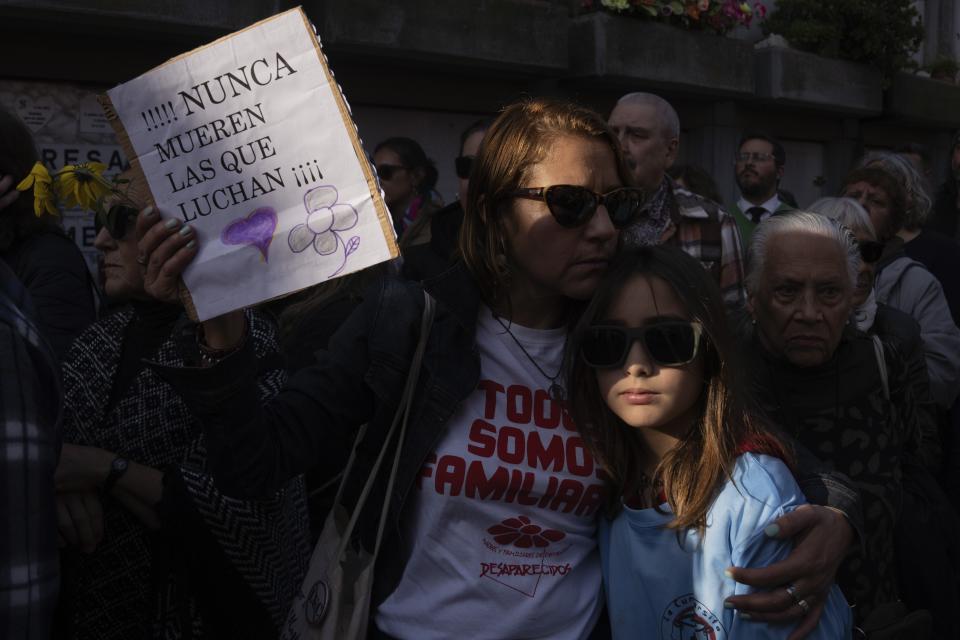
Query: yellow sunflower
x,y
40,181
82,184
43,201
38,173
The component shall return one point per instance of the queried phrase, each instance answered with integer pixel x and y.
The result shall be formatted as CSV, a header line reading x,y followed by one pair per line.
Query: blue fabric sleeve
x,y
769,491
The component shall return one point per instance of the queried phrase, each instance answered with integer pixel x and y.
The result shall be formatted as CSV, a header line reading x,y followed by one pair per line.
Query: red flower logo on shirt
x,y
520,532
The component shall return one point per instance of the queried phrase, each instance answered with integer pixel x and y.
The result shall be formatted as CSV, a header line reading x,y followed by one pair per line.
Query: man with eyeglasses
x,y
760,162
648,129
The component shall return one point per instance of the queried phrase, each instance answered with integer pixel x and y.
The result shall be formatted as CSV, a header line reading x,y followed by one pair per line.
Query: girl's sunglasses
x,y
463,165
387,171
573,206
670,344
116,220
870,251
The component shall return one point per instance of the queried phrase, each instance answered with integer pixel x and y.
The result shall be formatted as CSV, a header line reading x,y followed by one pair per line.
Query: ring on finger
x,y
792,590
804,605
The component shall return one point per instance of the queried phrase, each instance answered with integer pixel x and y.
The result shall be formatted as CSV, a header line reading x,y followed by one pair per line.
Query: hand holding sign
x,y
256,151
165,250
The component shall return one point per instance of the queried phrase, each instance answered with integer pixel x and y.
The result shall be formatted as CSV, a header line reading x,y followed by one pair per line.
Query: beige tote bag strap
x,y
429,308
403,412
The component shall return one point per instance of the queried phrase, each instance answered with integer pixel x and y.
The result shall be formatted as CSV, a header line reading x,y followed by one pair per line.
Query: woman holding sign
x,y
492,522
153,549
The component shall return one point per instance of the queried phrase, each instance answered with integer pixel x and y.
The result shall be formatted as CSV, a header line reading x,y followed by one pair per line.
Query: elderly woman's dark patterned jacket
x,y
840,412
218,567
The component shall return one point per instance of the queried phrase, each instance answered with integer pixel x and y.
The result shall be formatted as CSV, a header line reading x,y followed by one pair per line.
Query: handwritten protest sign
x,y
250,141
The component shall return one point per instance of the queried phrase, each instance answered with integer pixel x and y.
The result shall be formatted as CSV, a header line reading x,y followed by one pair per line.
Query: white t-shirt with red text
x,y
501,533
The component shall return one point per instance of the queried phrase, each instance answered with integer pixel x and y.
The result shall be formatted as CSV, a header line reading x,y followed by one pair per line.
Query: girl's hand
x,y
822,536
82,469
165,248
80,520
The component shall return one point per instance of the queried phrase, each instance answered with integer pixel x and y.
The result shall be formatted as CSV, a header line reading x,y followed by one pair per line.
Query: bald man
x,y
648,129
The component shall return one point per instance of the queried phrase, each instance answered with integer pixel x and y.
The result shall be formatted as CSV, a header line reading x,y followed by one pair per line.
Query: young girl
x,y
694,480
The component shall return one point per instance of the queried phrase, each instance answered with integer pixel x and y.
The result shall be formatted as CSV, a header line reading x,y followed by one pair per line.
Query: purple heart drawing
x,y
256,229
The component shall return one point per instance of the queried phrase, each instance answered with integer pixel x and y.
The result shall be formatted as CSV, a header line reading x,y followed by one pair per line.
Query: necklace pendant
x,y
557,392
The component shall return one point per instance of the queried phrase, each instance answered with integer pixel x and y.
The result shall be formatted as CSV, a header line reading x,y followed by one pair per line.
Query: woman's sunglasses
x,y
116,220
670,344
463,165
573,206
387,171
870,251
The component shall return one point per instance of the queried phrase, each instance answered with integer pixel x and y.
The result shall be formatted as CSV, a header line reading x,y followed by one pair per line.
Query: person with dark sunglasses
x,y
408,179
426,255
924,584
150,542
120,273
470,140
693,477
851,215
117,220
898,333
458,537
906,284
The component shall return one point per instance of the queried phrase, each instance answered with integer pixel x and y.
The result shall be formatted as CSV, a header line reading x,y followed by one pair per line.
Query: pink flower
x,y
521,533
761,10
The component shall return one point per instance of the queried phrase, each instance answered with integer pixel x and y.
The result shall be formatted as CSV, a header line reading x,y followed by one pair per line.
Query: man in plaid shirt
x,y
29,445
649,132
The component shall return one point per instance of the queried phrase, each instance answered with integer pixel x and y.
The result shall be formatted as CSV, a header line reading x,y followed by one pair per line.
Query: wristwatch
x,y
118,467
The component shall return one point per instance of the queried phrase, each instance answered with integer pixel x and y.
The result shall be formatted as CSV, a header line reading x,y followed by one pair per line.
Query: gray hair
x,y
798,222
847,212
912,181
666,114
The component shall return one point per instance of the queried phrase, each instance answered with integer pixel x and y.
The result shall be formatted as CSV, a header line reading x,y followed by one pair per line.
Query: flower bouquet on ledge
x,y
719,16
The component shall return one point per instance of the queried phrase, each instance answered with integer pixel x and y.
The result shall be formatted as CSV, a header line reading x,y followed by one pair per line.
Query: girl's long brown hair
x,y
694,471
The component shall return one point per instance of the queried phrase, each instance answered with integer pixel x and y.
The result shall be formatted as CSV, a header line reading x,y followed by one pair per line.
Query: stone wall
x,y
414,68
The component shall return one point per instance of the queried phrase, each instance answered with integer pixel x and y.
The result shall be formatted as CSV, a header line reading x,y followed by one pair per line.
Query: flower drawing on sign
x,y
522,533
326,220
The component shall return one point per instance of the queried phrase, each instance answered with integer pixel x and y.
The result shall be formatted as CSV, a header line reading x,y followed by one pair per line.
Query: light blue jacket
x,y
661,590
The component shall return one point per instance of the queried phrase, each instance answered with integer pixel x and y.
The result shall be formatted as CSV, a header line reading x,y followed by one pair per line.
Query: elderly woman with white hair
x,y
818,379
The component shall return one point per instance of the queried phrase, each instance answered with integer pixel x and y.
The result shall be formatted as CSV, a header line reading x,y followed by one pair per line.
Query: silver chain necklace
x,y
556,390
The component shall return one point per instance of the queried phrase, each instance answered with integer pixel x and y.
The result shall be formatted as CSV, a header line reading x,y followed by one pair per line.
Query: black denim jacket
x,y
253,450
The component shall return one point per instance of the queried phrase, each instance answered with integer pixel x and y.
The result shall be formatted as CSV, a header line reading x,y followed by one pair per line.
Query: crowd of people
x,y
640,413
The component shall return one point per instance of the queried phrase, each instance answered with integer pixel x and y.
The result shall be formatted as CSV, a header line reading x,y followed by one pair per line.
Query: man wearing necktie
x,y
759,162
